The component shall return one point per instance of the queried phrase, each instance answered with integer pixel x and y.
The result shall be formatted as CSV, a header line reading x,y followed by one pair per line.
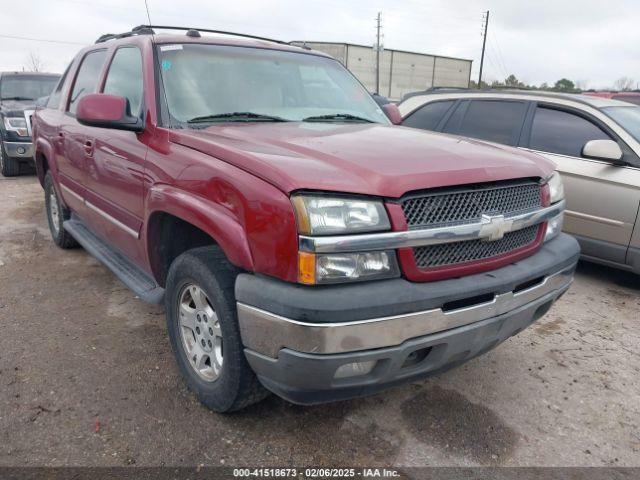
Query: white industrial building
x,y
401,72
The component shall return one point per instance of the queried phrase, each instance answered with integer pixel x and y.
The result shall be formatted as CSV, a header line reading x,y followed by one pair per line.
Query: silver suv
x,y
595,143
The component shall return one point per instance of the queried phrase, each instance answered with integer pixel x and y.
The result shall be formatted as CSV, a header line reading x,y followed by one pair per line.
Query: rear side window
x,y
87,77
125,77
494,121
428,117
557,131
56,95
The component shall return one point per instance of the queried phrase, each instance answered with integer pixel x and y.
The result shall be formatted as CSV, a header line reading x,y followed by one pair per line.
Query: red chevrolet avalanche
x,y
301,243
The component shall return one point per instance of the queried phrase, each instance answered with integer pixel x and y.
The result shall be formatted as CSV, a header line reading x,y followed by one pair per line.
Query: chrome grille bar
x,y
484,229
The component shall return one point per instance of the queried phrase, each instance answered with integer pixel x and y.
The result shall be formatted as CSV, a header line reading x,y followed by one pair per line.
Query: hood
x,y
372,159
16,107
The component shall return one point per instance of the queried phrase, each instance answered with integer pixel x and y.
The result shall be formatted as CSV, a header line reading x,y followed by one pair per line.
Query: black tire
x,y
60,236
236,386
8,166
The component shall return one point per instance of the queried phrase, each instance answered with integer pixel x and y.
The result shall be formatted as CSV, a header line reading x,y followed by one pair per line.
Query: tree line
x,y
623,84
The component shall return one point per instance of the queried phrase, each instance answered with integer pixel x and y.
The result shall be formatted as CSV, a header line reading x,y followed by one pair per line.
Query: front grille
x,y
468,204
461,252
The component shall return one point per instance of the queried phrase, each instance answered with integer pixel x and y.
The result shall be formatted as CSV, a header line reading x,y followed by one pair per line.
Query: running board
x,y
133,277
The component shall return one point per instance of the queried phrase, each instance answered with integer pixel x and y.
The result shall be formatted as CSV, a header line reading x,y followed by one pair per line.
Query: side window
x,y
56,95
125,77
87,77
495,121
556,131
428,116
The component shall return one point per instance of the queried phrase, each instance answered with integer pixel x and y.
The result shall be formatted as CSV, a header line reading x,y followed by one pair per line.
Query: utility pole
x,y
378,25
484,42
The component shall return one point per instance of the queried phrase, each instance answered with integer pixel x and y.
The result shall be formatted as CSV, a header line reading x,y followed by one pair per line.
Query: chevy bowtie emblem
x,y
494,227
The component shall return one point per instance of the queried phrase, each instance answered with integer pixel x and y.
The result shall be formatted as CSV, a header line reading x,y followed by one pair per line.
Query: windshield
x,y
204,82
26,87
627,117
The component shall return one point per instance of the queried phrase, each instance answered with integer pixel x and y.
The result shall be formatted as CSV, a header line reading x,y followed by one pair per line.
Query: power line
x,y
15,37
494,38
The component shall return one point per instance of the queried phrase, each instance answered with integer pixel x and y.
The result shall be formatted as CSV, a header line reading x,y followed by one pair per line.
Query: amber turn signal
x,y
306,268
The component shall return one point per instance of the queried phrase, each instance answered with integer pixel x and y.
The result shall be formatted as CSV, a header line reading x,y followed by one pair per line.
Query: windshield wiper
x,y
337,117
237,117
17,98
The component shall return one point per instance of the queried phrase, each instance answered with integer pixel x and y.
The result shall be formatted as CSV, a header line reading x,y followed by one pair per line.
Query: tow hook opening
x,y
416,357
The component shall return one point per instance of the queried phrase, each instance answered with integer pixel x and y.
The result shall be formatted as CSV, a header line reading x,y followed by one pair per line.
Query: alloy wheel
x,y
54,211
200,332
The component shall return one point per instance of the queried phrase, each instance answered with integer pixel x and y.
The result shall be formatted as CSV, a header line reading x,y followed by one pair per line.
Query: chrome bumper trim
x,y
12,149
268,333
490,228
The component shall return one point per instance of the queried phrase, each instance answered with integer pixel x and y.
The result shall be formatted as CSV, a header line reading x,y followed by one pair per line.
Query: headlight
x,y
16,124
318,215
554,226
556,188
346,267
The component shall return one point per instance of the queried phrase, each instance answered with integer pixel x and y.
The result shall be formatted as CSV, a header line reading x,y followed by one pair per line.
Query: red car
x,y
301,243
629,97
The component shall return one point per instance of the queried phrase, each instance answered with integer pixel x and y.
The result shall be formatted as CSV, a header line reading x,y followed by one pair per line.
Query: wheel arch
x,y
179,221
44,159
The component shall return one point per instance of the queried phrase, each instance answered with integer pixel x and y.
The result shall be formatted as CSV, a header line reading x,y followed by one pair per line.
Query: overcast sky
x,y
539,41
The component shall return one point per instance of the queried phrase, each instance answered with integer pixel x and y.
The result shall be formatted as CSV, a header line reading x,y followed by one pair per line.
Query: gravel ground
x,y
87,377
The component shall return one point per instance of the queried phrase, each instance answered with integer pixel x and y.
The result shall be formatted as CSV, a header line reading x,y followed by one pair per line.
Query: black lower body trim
x,y
133,277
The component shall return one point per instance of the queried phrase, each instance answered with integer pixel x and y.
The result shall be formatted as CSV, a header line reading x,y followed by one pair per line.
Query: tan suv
x,y
595,143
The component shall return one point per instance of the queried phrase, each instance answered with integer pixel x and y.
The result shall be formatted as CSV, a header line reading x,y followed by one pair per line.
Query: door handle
x,y
88,148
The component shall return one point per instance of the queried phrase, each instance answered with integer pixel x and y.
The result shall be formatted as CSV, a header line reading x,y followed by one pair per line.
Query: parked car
x,y
595,143
18,94
300,242
629,97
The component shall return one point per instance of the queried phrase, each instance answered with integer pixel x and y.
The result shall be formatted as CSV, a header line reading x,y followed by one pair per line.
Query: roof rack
x,y
191,32
139,30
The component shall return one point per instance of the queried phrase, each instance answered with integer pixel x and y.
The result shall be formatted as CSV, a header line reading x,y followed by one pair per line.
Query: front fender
x,y
211,218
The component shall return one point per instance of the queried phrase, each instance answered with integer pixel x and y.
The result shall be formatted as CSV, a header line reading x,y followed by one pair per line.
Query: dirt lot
x,y
87,378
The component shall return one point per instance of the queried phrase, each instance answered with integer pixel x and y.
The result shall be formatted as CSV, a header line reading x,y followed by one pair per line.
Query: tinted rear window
x,y
495,121
556,131
428,116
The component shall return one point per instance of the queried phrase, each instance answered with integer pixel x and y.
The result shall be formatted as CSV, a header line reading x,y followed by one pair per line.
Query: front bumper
x,y
19,150
296,338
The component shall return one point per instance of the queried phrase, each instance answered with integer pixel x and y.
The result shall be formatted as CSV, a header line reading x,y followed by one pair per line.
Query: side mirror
x,y
603,150
107,111
42,101
393,112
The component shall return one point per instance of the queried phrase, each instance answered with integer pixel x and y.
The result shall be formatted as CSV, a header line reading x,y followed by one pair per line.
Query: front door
x,y
115,162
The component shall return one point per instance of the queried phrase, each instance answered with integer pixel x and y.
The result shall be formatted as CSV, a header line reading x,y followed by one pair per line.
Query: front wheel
x,y
204,332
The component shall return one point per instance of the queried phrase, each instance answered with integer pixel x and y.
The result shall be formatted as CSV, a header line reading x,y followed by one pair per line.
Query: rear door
x,y
72,137
602,198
